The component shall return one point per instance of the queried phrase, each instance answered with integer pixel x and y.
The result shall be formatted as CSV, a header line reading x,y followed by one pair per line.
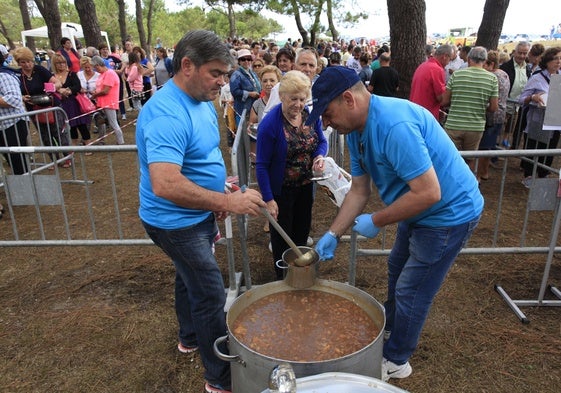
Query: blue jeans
x,y
417,267
199,292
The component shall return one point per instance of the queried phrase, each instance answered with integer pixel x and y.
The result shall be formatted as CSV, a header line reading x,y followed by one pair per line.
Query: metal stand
x,y
543,196
240,168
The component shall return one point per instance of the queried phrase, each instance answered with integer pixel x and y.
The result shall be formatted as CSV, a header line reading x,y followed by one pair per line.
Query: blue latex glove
x,y
326,246
364,225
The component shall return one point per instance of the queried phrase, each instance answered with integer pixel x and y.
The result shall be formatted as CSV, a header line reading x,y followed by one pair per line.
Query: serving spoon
x,y
302,259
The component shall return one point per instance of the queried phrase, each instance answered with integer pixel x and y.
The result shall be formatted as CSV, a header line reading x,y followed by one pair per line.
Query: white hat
x,y
3,50
244,53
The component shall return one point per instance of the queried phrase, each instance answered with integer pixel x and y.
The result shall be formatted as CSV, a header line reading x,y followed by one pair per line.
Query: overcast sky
x,y
523,16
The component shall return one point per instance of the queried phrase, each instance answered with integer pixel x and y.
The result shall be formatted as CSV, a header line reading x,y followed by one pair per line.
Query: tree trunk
x,y
315,28
296,12
26,20
232,19
332,29
139,24
51,15
492,23
122,21
88,20
408,32
4,32
149,28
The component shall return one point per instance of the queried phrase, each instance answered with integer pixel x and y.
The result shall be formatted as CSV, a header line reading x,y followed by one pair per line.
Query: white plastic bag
x,y
334,181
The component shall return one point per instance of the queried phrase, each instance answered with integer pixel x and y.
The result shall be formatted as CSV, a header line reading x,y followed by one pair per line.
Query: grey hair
x,y
478,54
98,61
523,43
304,51
444,50
201,47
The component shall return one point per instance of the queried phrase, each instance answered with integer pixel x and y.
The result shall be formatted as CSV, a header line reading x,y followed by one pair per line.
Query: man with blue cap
x,y
426,186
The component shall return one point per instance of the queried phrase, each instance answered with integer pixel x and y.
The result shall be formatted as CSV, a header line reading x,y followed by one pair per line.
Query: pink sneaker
x,y
183,349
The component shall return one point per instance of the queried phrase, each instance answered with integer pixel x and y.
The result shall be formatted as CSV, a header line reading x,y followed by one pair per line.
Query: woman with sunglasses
x,y
244,85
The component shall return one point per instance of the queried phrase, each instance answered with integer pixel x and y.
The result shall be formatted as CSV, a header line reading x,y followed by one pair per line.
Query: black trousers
x,y
528,166
295,217
15,135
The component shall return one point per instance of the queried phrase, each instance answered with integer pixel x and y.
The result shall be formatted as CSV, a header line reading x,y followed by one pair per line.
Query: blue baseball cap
x,y
332,82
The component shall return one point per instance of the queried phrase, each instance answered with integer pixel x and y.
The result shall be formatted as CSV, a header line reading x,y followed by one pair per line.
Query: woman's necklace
x,y
28,77
62,76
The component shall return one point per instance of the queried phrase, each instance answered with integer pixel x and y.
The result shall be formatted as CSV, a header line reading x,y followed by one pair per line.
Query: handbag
x,y
86,105
39,102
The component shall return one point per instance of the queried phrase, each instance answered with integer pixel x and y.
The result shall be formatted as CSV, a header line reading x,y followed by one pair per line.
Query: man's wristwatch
x,y
334,235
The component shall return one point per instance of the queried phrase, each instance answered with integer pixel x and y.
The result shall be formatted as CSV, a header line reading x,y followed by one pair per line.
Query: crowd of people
x,y
461,99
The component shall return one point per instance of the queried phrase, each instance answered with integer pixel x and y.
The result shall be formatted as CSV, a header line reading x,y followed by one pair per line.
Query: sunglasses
x,y
257,65
246,59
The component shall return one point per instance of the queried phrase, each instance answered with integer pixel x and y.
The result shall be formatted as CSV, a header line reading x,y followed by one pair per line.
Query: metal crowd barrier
x,y
91,204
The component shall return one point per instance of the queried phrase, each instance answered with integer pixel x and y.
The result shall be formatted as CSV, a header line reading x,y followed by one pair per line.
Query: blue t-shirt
x,y
174,128
400,142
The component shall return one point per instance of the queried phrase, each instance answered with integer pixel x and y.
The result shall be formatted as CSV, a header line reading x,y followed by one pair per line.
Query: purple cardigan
x,y
272,149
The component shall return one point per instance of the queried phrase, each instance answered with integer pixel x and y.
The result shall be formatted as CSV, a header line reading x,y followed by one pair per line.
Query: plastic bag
x,y
334,181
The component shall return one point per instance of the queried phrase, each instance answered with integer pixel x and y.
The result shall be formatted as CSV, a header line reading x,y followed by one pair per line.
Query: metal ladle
x,y
302,259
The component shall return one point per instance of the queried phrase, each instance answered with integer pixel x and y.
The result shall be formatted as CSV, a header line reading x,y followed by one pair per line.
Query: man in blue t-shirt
x,y
182,179
426,186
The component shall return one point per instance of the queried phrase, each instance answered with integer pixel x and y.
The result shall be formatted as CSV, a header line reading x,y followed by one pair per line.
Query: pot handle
x,y
222,356
281,264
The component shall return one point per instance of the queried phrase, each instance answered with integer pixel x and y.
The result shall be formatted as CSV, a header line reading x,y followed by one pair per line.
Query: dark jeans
x,y
295,217
121,96
15,135
199,292
417,266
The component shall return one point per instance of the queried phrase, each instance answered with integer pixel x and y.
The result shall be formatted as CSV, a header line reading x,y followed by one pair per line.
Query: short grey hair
x,y
444,50
478,54
98,61
201,47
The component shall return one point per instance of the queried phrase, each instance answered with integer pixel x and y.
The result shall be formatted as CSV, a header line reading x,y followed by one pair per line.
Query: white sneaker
x,y
123,117
527,182
310,241
392,370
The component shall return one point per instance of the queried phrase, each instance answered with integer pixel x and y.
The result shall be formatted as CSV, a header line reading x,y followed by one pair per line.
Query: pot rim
x,y
319,285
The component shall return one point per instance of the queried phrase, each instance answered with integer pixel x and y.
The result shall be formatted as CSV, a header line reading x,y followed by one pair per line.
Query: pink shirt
x,y
134,78
428,83
110,100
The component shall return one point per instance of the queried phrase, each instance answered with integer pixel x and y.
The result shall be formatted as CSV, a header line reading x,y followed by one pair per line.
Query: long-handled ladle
x,y
302,259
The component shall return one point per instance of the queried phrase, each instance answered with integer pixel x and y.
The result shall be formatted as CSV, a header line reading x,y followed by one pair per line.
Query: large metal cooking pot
x,y
250,369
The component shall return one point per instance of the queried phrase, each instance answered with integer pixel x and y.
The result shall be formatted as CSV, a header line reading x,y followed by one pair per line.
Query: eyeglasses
x,y
257,65
246,59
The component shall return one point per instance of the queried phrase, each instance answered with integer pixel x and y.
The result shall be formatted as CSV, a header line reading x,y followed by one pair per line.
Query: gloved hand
x,y
326,246
364,225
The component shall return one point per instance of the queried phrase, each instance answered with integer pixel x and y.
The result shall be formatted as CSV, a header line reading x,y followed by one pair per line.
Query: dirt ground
x,y
101,319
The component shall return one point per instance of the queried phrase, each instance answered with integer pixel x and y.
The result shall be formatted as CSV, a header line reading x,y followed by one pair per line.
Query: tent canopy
x,y
70,30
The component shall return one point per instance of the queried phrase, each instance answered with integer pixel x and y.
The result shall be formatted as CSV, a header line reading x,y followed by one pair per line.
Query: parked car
x,y
505,39
522,37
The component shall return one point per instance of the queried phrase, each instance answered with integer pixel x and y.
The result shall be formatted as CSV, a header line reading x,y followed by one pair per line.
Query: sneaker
x,y
527,182
392,370
310,241
123,117
130,109
270,247
387,334
186,349
505,143
215,389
